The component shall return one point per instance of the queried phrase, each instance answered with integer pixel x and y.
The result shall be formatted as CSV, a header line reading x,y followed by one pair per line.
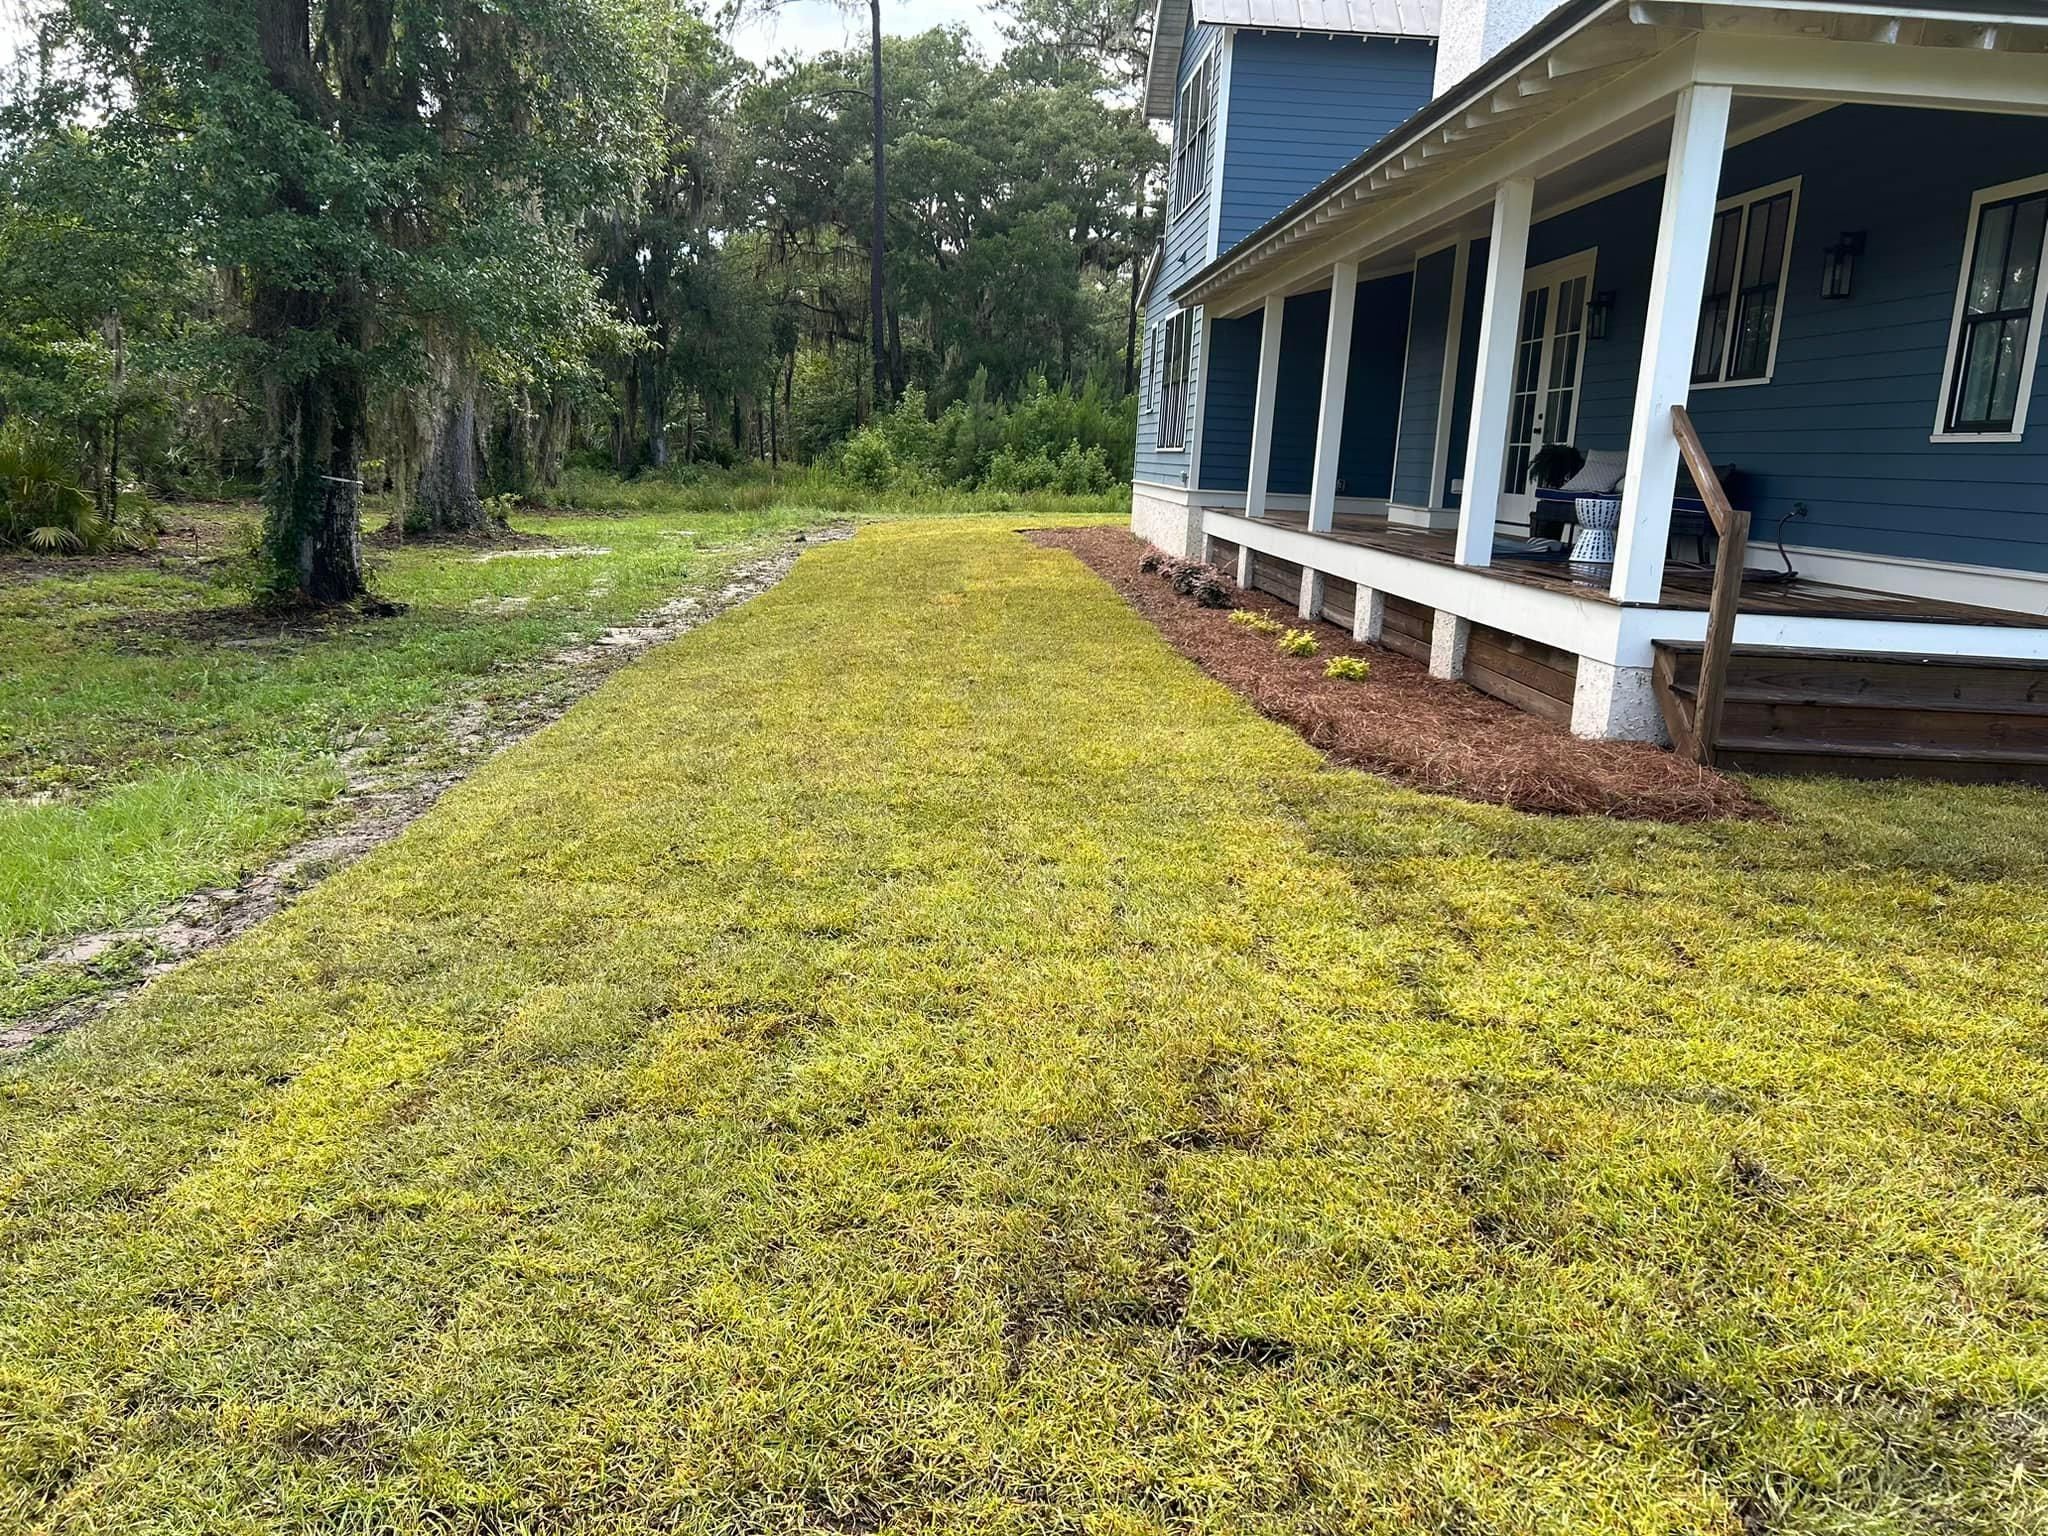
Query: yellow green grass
x,y
915,1056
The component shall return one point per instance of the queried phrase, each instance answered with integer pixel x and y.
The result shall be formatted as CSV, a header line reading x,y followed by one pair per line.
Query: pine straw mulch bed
x,y
1401,722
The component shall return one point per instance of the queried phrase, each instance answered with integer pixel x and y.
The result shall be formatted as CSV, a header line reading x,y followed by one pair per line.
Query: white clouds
x,y
814,26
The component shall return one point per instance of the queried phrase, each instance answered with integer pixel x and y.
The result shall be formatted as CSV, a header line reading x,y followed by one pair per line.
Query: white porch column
x,y
1310,605
1369,615
1486,449
1677,279
1448,636
1322,488
1262,406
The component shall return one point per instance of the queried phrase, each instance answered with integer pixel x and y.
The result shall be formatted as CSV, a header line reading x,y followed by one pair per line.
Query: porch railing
x,y
1732,524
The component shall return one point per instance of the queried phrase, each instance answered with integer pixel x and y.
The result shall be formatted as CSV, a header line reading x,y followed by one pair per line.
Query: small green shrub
x,y
1353,669
44,508
1298,642
1008,470
1082,471
1257,623
867,459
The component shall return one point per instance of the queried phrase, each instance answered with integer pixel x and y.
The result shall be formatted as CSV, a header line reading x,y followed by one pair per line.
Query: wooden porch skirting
x,y
1276,578
1407,627
1528,674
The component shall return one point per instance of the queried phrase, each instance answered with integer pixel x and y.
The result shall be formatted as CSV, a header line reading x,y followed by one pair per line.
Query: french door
x,y
1550,361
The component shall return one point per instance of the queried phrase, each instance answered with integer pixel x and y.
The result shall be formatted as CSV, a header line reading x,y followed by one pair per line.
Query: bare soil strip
x,y
370,812
1420,730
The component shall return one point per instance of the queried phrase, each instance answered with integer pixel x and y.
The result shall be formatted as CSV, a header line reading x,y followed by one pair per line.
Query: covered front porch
x,y
1541,635
1717,208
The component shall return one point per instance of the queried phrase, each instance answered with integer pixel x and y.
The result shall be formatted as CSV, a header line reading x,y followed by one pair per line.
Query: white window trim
x,y
1186,134
1219,138
1743,200
1159,408
2032,361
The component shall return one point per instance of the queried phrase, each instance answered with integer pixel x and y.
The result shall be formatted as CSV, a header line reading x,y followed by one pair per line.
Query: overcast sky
x,y
812,26
805,26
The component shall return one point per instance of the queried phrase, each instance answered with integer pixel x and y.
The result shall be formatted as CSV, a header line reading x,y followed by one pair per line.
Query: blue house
x,y
1410,249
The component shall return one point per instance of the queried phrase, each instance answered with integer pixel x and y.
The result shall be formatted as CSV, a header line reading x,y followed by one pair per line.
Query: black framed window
x,y
1767,231
1748,254
1173,383
1194,134
2001,288
1711,345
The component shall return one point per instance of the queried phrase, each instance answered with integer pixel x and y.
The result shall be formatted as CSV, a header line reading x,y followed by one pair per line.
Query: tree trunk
x,y
552,440
657,430
1131,319
313,489
876,248
117,341
774,443
446,500
1131,332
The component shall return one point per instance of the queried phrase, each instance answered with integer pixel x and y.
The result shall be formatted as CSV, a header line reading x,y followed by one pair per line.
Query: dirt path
x,y
370,811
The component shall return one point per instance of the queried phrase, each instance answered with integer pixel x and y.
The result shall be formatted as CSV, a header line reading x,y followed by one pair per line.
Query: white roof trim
x,y
1162,62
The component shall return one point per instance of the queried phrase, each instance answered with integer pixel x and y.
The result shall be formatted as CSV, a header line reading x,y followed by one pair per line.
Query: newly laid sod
x,y
156,738
915,1056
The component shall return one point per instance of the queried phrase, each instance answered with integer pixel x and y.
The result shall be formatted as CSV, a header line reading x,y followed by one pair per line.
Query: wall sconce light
x,y
1599,312
1838,265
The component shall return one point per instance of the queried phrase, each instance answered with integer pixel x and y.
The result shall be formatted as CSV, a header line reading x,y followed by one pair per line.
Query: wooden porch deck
x,y
1686,586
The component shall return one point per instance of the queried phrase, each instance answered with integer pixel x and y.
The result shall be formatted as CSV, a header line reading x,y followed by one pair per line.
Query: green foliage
x,y
1010,470
1082,471
1258,623
44,509
825,398
1298,642
912,435
1352,669
868,460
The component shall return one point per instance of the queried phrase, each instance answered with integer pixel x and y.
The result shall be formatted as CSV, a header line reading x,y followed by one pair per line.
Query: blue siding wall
x,y
1233,389
1372,396
1187,250
1298,108
1303,106
1843,425
1468,363
1416,450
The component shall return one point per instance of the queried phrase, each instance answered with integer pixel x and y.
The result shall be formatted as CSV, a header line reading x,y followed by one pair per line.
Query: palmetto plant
x,y
42,505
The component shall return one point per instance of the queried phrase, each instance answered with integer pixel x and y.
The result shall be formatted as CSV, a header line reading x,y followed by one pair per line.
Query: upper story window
x,y
1748,259
1995,339
1194,133
1173,383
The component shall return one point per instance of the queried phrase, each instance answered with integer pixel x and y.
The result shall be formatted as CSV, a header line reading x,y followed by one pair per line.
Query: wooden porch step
x,y
1823,698
1869,714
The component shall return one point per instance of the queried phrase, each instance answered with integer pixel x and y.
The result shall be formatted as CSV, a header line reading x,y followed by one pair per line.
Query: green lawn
x,y
915,1056
148,750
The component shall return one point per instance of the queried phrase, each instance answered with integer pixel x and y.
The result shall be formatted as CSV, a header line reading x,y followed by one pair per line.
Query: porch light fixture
x,y
1599,311
1838,265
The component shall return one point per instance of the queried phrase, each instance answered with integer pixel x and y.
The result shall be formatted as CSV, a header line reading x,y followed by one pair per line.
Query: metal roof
x,y
1366,18
1349,18
1510,88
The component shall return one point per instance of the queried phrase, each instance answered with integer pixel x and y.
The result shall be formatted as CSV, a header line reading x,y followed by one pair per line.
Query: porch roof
x,y
1595,71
